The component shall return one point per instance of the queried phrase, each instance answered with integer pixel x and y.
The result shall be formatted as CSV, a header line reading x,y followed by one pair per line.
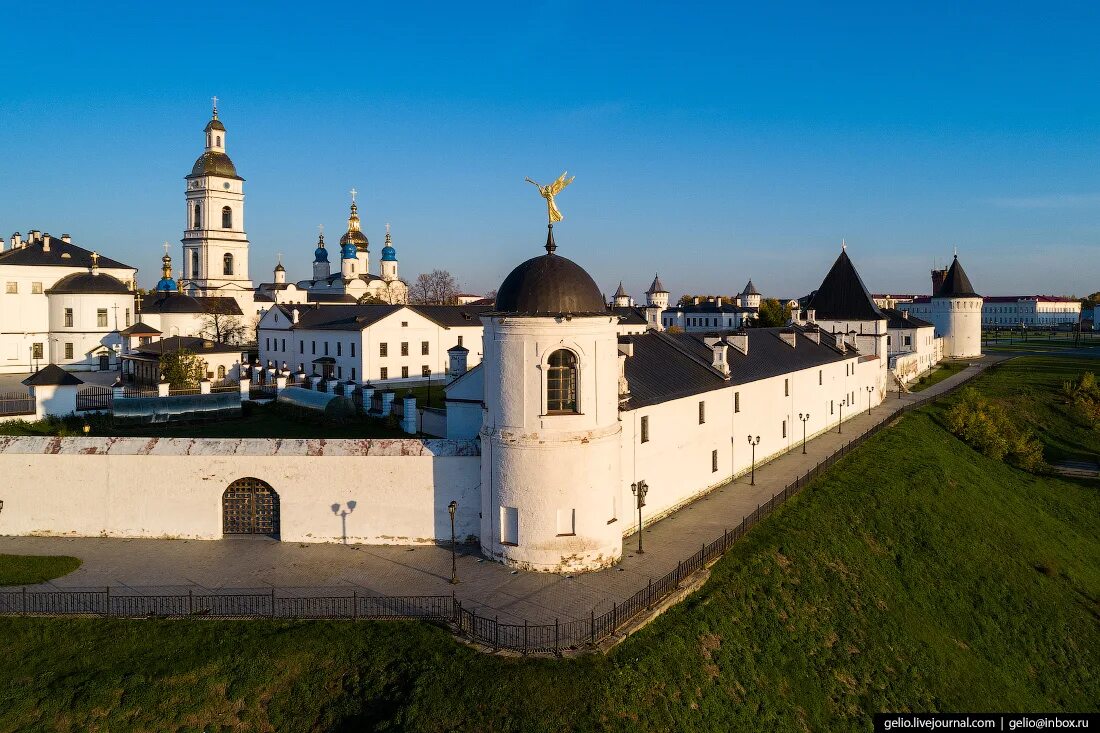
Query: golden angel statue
x,y
549,192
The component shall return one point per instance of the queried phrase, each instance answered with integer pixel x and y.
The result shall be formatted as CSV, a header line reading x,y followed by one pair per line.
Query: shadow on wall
x,y
448,487
342,511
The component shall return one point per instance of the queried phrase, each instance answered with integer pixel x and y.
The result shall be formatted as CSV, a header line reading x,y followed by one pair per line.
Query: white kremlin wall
x,y
676,462
172,487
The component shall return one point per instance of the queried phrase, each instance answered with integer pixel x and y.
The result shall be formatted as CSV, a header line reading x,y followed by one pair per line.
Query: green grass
x,y
940,372
916,575
34,569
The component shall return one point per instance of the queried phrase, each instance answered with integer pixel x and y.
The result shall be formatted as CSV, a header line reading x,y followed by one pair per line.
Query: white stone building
x,y
549,436
912,345
710,314
383,344
61,304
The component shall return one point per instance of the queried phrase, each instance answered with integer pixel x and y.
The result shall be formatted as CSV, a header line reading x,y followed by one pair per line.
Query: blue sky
x,y
710,143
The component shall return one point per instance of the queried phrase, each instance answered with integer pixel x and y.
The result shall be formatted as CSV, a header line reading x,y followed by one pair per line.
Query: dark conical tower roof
x,y
843,296
956,284
621,293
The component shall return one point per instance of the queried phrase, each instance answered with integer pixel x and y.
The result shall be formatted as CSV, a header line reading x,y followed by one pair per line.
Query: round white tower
x,y
750,296
656,299
622,299
550,470
957,314
280,273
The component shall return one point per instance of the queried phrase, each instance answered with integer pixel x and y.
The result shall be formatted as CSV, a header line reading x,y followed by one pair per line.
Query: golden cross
x,y
95,259
353,194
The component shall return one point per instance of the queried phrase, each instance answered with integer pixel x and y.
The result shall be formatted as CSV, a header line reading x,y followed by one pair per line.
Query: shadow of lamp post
x,y
343,514
640,489
805,419
840,422
870,389
454,570
753,442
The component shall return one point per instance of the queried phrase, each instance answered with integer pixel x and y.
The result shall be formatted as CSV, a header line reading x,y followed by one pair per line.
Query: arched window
x,y
561,382
227,217
227,264
198,217
219,139
194,263
221,371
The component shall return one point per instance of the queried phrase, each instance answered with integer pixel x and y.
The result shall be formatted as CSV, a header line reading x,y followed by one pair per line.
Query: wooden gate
x,y
250,506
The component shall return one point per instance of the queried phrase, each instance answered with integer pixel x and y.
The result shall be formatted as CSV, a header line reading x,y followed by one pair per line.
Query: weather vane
x,y
549,192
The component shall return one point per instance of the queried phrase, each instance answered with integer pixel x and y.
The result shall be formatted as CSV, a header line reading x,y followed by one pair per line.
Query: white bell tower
x,y
215,246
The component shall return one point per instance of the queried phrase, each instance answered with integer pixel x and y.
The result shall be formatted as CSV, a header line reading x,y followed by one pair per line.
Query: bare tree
x,y
220,322
437,287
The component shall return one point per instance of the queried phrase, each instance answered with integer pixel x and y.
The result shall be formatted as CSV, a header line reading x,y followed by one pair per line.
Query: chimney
x,y
695,301
905,314
788,337
718,301
457,357
841,345
294,315
811,315
740,341
626,348
718,358
66,239
813,334
45,242
33,236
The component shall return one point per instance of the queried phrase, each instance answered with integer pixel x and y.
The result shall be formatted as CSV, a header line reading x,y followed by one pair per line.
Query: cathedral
x,y
215,246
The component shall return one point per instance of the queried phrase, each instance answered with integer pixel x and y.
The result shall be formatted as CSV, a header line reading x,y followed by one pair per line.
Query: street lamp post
x,y
870,389
640,489
454,568
804,418
752,475
840,422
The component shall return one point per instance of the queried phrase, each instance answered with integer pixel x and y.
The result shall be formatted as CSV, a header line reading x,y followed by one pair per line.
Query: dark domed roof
x,y
213,163
87,282
549,285
214,124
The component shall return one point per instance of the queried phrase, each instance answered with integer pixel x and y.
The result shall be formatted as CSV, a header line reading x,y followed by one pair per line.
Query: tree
x,y
772,313
437,287
371,299
220,322
183,369
690,299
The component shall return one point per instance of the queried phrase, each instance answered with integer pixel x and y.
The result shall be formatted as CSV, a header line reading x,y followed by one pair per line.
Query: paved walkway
x,y
174,566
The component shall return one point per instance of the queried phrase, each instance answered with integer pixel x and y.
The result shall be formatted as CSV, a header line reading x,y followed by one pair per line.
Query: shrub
x,y
1084,394
986,426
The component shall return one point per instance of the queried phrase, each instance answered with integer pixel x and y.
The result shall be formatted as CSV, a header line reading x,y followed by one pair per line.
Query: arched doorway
x,y
250,507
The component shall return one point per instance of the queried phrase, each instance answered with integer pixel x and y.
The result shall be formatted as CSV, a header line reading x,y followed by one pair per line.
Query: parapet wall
x,y
173,487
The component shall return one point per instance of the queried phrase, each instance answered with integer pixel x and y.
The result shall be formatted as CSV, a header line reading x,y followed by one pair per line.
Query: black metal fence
x,y
524,637
95,398
16,403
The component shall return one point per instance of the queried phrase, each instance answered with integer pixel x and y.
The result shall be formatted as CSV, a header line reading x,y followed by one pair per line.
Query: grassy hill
x,y
918,574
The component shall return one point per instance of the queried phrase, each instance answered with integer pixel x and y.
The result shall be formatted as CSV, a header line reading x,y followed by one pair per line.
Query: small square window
x,y
383,373
36,288
404,324
383,349
12,288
